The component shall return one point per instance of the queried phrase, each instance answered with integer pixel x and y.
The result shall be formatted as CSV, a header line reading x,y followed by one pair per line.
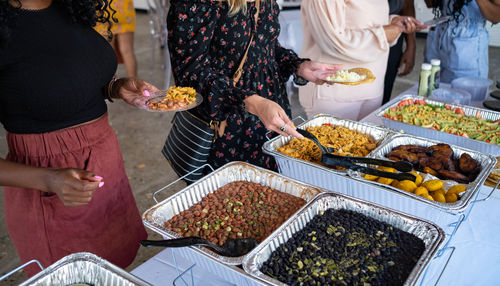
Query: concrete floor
x,y
141,135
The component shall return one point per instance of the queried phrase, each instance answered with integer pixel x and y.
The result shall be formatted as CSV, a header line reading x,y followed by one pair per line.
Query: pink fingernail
x,y
146,93
101,184
98,177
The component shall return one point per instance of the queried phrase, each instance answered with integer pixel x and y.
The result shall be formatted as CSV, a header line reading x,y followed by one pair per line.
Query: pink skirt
x,y
39,224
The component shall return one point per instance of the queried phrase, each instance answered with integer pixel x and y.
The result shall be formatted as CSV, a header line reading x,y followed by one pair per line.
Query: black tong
x,y
348,162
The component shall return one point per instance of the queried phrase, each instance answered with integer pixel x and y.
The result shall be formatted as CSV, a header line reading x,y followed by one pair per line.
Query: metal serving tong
x,y
348,162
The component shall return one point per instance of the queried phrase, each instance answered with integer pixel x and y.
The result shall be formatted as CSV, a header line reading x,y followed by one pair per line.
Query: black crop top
x,y
52,73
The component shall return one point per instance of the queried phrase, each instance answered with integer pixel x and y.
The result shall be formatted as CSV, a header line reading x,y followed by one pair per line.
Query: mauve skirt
x,y
39,224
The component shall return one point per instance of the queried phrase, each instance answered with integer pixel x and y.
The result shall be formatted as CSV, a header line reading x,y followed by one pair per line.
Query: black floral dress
x,y
206,46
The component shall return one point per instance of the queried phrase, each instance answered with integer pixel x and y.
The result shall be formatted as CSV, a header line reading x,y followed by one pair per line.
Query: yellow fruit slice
x,y
442,191
370,177
387,169
433,185
451,197
457,189
421,191
386,181
419,179
407,185
438,197
429,197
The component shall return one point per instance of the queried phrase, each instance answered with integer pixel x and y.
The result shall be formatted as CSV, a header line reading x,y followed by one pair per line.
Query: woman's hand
x,y
133,91
74,187
408,24
271,114
317,72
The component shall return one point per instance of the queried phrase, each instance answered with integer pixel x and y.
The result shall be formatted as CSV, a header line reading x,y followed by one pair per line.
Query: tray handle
x,y
491,192
452,250
21,267
293,120
177,180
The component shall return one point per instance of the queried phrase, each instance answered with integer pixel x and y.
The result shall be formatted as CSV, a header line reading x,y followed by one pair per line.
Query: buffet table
x,y
471,257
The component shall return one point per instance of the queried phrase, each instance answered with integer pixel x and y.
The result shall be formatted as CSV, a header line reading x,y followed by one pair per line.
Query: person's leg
x,y
395,54
125,45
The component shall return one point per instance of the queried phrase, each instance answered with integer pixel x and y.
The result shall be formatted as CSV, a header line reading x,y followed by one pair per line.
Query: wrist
x,y
43,179
252,102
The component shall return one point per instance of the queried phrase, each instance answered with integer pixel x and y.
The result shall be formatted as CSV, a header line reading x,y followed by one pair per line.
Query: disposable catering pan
x,y
86,269
488,148
486,161
429,233
156,216
287,165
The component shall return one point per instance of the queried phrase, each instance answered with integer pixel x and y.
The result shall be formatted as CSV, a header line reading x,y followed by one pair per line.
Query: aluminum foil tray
x,y
156,216
285,162
486,161
431,235
481,146
84,267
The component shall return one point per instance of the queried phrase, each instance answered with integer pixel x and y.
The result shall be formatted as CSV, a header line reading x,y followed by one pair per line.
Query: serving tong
x,y
348,162
231,248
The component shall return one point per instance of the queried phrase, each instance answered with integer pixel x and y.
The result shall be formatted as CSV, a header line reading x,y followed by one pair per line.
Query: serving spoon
x,y
347,162
231,248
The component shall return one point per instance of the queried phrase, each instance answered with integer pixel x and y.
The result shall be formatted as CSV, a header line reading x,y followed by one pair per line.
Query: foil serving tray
x,y
444,137
486,161
84,267
431,234
377,133
156,216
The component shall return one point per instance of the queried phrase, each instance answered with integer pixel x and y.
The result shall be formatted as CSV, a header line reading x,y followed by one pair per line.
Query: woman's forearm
x,y
392,32
490,9
23,176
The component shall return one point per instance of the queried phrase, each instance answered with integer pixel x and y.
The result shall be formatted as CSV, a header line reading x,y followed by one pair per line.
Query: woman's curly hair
x,y
454,6
84,12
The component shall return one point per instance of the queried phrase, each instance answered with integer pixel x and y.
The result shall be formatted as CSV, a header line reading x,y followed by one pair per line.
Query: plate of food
x,y
352,76
176,98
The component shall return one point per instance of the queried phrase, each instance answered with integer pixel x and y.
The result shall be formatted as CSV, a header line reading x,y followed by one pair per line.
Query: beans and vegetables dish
x,y
447,119
237,210
342,247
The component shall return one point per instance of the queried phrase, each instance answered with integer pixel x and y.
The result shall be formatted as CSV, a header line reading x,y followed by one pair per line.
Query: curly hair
x,y
84,12
455,6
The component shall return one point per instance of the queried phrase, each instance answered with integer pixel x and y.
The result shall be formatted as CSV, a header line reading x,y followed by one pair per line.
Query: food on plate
x,y
237,210
346,76
343,247
352,76
175,98
438,160
344,141
445,118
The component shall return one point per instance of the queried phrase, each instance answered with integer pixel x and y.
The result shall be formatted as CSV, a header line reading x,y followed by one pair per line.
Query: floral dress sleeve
x,y
288,61
191,26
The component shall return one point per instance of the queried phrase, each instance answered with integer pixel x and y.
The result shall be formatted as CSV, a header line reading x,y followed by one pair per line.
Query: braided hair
x,y
84,12
455,6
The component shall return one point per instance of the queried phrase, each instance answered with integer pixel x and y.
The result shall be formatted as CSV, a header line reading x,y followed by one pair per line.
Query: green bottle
x,y
435,74
425,78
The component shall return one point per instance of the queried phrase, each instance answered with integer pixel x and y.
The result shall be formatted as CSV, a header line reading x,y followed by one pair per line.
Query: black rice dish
x,y
342,247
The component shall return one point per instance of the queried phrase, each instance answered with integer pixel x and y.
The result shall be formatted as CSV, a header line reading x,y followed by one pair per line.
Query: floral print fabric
x,y
206,46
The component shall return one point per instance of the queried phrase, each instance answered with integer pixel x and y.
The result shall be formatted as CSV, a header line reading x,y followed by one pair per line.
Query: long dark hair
x,y
455,6
85,12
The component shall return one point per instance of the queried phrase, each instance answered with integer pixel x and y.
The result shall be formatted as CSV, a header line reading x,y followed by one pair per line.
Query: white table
x,y
474,261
